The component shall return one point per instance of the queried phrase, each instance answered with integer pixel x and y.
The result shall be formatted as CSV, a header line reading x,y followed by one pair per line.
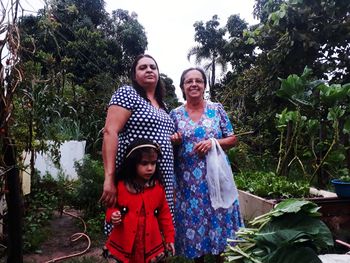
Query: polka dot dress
x,y
148,122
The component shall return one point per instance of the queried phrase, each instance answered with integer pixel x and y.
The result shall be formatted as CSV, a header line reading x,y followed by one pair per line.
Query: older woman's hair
x,y
182,79
160,89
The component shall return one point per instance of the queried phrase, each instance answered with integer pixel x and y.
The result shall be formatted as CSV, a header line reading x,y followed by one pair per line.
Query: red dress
x,y
142,231
138,251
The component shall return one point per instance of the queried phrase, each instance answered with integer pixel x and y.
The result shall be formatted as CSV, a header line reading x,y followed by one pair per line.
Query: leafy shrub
x,y
39,207
94,226
64,129
47,195
89,186
242,160
345,178
268,184
62,188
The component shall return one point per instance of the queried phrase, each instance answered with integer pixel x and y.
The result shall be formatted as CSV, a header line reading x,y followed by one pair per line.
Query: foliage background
x,y
285,87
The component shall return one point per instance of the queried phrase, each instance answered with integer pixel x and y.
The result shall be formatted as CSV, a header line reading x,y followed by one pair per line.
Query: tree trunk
x,y
14,204
284,169
212,80
322,177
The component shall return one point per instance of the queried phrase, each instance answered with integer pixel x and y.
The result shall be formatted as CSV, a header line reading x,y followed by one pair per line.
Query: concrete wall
x,y
71,151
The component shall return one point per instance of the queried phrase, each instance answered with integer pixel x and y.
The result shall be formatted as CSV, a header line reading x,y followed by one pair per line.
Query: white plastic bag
x,y
222,188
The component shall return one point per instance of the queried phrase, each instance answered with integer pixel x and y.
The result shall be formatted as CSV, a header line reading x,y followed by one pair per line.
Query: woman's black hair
x,y
133,156
160,89
182,79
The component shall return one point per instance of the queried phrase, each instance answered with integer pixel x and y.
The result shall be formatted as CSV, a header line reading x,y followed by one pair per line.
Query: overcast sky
x,y
169,25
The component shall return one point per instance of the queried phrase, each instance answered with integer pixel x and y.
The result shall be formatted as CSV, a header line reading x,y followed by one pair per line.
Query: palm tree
x,y
211,44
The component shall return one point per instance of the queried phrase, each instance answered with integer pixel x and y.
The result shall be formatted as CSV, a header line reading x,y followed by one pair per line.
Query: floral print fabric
x,y
200,229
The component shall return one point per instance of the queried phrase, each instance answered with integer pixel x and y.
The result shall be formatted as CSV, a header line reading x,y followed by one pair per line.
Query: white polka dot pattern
x,y
148,122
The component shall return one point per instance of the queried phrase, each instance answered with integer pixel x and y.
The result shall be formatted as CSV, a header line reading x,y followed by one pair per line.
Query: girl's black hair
x,y
160,89
182,79
133,156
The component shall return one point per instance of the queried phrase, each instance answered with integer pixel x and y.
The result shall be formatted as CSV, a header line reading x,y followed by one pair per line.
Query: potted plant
x,y
342,186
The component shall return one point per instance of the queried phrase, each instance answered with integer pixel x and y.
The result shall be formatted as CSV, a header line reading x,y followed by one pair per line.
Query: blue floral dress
x,y
200,229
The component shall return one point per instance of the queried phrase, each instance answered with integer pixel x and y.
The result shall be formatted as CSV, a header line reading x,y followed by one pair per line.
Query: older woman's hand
x,y
176,138
202,147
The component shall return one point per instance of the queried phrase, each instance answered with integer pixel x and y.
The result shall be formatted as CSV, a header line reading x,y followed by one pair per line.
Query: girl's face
x,y
146,167
193,86
146,72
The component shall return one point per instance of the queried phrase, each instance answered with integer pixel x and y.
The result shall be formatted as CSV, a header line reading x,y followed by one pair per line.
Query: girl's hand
x,y
116,218
176,138
202,147
170,248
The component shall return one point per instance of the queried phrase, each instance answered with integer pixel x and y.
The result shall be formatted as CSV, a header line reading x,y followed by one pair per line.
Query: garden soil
x,y
59,244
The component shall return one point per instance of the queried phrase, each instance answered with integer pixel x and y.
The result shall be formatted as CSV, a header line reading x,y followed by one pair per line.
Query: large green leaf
x,y
290,226
333,93
293,255
294,206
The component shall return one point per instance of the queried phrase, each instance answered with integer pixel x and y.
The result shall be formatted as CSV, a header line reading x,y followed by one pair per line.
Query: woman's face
x,y
146,72
193,86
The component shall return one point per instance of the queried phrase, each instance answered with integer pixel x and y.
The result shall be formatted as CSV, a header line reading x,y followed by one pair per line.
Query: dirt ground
x,y
59,245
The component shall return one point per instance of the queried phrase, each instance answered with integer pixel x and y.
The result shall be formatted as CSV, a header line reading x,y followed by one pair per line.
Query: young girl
x,y
141,219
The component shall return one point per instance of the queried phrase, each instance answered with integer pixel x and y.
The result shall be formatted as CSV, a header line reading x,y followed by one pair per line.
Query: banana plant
x,y
315,128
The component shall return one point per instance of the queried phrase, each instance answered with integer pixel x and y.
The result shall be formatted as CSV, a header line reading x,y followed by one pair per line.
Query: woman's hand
x,y
176,138
116,218
202,147
115,122
109,195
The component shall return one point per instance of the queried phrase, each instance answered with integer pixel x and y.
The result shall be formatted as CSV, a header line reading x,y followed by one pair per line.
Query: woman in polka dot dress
x,y
137,111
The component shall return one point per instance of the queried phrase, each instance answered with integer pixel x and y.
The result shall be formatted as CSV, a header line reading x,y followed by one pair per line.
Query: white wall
x,y
71,151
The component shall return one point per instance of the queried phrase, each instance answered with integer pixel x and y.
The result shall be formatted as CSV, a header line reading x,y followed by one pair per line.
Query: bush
x,y
268,184
39,207
89,186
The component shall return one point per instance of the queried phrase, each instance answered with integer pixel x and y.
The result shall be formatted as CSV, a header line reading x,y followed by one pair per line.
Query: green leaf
x,y
336,157
333,94
293,206
335,113
292,255
250,41
346,128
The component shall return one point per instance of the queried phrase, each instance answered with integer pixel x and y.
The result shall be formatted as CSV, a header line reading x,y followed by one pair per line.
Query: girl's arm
x,y
116,119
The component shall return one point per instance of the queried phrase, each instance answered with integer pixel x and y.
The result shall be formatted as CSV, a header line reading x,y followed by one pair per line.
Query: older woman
x,y
196,122
137,111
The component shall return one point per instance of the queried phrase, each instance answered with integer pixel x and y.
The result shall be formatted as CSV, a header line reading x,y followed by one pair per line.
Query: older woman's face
x,y
193,86
146,72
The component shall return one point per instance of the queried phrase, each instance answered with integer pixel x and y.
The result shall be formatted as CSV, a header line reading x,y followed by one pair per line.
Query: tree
x,y
170,97
77,58
291,35
239,53
211,43
263,8
11,74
